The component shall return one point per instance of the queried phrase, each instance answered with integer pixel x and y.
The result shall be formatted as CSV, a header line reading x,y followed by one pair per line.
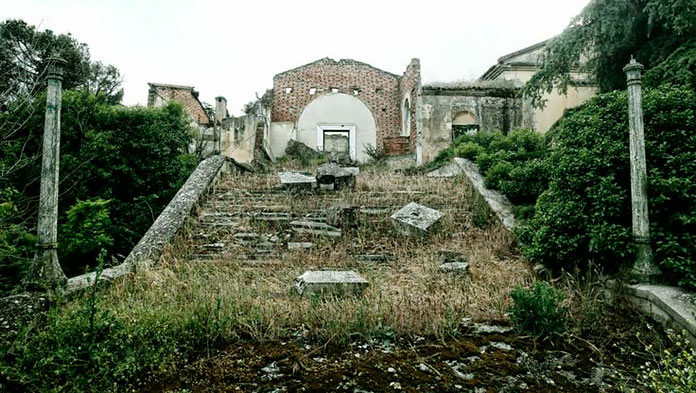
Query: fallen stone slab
x,y
295,181
332,176
415,219
294,246
300,150
455,267
483,328
330,282
315,228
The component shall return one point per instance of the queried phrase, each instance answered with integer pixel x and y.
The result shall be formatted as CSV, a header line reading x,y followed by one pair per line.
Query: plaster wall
x,y
338,109
238,138
556,103
281,133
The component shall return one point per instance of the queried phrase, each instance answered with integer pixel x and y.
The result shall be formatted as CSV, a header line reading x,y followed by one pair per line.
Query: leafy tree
x,y
24,57
604,36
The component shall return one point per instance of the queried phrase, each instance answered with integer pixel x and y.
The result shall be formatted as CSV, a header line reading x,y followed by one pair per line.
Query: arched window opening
x,y
464,123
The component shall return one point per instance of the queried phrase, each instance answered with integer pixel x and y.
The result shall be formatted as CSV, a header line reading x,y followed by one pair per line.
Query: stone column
x,y
45,271
644,269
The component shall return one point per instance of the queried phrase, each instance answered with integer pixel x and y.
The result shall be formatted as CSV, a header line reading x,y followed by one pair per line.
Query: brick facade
x,y
159,94
382,92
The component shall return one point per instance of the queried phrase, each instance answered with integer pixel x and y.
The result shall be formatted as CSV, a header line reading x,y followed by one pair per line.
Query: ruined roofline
x,y
474,91
523,51
330,61
180,87
495,70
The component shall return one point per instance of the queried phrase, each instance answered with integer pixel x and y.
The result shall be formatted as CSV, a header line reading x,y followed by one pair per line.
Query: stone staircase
x,y
251,219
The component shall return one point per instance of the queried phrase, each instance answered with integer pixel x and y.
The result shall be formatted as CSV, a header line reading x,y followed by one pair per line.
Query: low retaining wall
x,y
499,203
163,230
672,307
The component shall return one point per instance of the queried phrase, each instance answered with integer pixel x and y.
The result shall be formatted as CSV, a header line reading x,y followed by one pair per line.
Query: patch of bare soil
x,y
473,362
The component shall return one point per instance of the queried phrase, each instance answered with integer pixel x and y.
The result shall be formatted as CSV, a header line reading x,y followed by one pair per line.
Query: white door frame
x,y
352,136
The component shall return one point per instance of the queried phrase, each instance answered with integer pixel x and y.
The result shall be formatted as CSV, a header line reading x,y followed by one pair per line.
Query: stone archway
x,y
332,114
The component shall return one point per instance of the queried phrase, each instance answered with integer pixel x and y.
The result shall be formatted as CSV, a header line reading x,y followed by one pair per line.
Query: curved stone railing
x,y
165,227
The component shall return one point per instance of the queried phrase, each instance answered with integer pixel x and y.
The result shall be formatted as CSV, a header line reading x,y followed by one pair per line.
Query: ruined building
x,y
160,94
353,108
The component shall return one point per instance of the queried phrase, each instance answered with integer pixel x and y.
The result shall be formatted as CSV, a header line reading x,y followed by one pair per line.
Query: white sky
x,y
233,49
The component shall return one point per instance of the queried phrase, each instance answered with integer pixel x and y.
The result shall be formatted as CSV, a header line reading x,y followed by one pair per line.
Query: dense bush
x,y
132,157
538,310
512,164
585,214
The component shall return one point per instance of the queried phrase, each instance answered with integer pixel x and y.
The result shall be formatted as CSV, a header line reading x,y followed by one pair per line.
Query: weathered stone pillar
x,y
45,271
644,269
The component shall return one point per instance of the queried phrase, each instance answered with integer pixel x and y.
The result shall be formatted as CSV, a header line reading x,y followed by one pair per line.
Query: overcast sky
x,y
233,49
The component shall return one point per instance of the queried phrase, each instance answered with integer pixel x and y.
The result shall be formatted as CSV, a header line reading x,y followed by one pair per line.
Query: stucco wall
x,y
340,110
238,138
494,110
281,133
556,103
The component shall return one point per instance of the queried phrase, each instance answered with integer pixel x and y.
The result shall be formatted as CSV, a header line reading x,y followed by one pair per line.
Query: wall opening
x,y
464,123
339,139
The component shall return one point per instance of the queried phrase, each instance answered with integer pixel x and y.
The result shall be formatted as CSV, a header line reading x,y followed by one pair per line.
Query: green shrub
x,y
17,244
585,214
468,150
538,310
498,173
525,181
85,231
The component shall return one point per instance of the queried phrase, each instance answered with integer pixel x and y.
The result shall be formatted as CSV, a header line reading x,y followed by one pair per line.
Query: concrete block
x,y
331,176
331,283
415,219
455,267
296,181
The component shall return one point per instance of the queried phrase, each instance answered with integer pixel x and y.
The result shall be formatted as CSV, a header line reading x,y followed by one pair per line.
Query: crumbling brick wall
x,y
160,94
379,90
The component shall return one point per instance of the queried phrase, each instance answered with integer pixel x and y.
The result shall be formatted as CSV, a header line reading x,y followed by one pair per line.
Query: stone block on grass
x,y
295,181
332,176
415,219
330,282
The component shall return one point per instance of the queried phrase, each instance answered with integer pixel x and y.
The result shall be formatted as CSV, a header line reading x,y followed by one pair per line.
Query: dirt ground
x,y
473,362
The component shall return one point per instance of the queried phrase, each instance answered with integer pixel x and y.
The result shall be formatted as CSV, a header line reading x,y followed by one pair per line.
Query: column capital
x,y
55,67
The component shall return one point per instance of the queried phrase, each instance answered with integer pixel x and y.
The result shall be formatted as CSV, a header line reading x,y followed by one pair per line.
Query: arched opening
x,y
464,122
406,119
338,122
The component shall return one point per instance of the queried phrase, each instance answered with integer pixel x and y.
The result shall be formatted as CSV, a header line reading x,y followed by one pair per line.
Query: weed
x,y
538,311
